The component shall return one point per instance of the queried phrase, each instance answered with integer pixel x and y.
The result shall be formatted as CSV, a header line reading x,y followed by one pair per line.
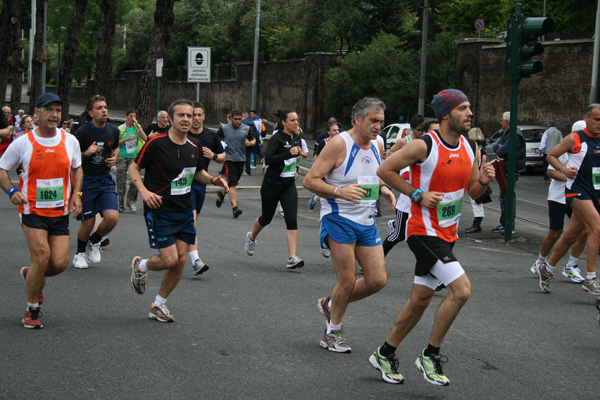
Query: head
x,y
333,129
26,123
551,124
48,108
245,115
591,116
368,115
331,121
505,120
180,115
228,116
236,118
453,110
21,112
198,119
253,114
476,135
130,116
430,124
7,111
416,125
98,110
64,124
162,118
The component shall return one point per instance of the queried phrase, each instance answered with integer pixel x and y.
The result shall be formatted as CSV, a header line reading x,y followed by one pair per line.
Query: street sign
x,y
479,24
198,65
159,67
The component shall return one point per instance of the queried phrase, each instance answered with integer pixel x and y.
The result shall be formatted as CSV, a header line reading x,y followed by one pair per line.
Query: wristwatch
x,y
215,156
417,196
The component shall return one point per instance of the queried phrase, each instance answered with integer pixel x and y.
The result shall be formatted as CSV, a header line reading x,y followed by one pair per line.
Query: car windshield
x,y
533,135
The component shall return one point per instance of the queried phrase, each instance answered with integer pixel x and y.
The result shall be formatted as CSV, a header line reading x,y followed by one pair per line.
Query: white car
x,y
393,132
533,137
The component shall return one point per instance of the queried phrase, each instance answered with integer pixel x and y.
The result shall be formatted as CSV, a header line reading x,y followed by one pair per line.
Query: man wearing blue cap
x,y
49,189
443,167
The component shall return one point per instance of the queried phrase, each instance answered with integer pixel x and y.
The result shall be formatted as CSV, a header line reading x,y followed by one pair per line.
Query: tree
x,y
4,47
104,51
17,54
70,54
35,90
161,36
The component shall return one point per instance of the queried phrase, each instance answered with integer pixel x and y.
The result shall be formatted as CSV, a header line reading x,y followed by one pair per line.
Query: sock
x,y
142,266
431,350
572,261
32,305
549,268
81,245
333,327
590,275
159,301
95,238
193,256
541,259
387,349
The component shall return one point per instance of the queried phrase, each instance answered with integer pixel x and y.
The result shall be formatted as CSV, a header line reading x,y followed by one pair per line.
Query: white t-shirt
x,y
556,191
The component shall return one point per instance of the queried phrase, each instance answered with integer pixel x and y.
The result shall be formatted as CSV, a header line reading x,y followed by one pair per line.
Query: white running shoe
x,y
391,225
249,244
80,261
95,253
573,273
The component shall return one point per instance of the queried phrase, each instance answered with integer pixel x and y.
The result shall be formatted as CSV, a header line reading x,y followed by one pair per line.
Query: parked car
x,y
533,137
393,132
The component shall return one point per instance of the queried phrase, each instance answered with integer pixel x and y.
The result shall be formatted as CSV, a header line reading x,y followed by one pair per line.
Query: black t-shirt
x,y
208,138
154,127
3,121
106,138
278,151
321,145
164,162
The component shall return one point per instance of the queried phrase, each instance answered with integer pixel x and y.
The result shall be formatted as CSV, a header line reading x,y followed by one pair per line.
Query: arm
x,y
398,145
76,182
113,158
384,190
480,177
16,196
152,200
543,142
565,145
141,132
204,177
5,133
554,174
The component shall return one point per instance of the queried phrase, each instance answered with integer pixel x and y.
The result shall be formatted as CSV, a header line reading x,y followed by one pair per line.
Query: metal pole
x,y
44,59
31,39
255,66
421,105
198,91
594,88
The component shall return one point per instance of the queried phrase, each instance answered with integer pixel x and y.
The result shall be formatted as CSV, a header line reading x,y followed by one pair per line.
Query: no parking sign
x,y
479,24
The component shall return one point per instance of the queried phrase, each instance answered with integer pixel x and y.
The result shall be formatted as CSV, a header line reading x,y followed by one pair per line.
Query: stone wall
x,y
561,92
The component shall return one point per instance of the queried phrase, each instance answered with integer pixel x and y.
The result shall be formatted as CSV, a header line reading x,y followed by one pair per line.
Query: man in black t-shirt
x,y
171,162
160,126
99,143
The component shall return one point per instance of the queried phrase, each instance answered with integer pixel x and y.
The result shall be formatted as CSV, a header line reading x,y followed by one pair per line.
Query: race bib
x,y
183,183
50,193
131,146
596,177
371,185
449,209
289,168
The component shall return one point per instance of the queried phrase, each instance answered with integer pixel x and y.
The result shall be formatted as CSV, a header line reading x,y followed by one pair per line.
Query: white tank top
x,y
360,166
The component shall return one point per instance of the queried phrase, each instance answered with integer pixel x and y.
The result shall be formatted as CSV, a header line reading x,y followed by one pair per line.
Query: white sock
x,y
193,256
541,259
142,266
549,268
590,275
159,301
32,305
572,262
333,327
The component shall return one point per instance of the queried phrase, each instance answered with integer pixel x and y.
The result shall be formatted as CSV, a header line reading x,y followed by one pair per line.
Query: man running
x,y
345,175
49,189
171,160
443,166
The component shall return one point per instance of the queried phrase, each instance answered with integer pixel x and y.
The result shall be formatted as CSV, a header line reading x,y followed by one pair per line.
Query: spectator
x,y
551,137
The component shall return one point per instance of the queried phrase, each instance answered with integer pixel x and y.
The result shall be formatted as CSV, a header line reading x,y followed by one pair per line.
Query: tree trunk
x,y
161,36
69,56
17,56
106,37
35,90
4,48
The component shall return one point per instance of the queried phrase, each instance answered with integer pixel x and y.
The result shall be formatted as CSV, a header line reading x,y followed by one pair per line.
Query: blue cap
x,y
46,99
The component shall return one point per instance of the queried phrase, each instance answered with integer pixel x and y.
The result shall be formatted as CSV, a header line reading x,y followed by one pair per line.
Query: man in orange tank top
x,y
442,169
49,189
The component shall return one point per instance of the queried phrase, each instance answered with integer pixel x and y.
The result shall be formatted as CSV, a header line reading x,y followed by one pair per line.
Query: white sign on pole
x,y
198,66
159,66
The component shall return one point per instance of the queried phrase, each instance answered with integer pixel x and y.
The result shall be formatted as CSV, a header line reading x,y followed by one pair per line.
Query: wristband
x,y
481,183
12,191
412,195
335,191
386,185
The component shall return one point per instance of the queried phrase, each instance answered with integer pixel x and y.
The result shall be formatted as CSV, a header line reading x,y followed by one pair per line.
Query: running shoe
x,y
160,313
80,261
323,306
199,267
104,242
236,212
23,273
533,269
31,320
294,262
573,273
391,225
131,206
544,277
95,255
250,244
312,202
138,278
388,367
279,210
325,252
431,367
220,199
592,286
335,341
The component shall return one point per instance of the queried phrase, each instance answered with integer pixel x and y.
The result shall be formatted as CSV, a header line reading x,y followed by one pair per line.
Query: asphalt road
x,y
250,329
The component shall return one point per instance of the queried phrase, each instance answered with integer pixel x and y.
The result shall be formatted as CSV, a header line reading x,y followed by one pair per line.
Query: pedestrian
x,y
476,135
211,150
345,178
6,130
49,189
25,126
581,194
551,137
250,123
279,185
99,142
443,167
160,126
130,135
238,137
171,161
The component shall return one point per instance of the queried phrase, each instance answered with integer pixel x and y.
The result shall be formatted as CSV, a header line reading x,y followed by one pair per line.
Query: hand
x,y
75,205
247,143
389,196
431,199
152,200
295,150
571,173
486,171
110,161
18,198
131,137
208,153
92,149
351,193
221,182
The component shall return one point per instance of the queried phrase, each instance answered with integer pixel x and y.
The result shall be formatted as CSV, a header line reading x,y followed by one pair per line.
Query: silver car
x,y
393,132
533,137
